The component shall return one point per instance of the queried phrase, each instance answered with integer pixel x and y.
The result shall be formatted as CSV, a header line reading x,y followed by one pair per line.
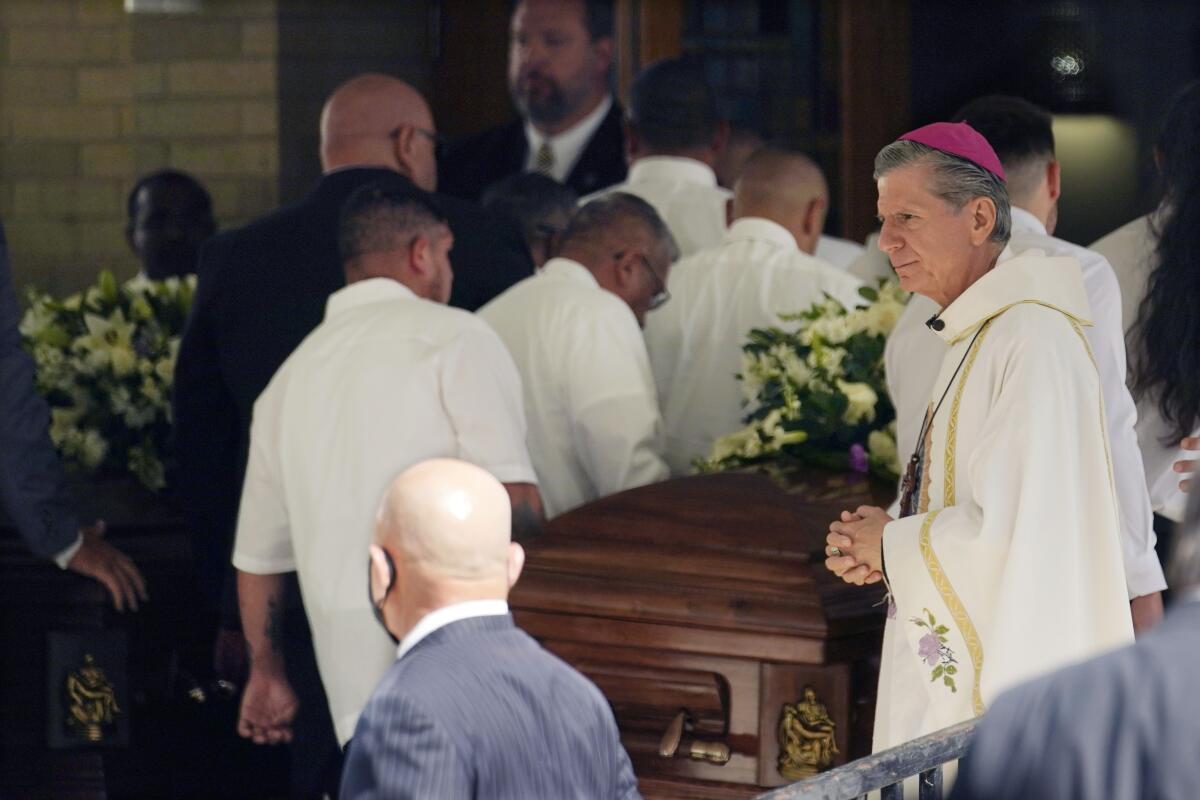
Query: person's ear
x,y
1053,179
379,572
516,562
983,219
814,216
403,149
602,49
626,273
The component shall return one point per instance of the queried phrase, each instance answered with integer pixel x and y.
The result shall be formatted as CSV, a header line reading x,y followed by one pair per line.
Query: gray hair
x,y
956,180
1183,566
615,213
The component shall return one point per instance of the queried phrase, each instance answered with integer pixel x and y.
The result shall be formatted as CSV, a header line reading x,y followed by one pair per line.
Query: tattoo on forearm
x,y
526,523
274,627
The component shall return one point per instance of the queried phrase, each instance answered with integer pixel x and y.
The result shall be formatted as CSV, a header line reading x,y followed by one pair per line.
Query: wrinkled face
x,y
553,65
927,241
168,227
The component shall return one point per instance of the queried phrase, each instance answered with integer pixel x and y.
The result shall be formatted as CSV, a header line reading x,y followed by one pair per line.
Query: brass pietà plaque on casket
x,y
702,609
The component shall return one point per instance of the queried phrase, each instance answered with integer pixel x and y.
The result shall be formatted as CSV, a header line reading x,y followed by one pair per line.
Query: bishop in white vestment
x,y
1005,563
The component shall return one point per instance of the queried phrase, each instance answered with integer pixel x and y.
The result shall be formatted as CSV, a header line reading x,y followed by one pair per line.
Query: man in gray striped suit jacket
x,y
473,707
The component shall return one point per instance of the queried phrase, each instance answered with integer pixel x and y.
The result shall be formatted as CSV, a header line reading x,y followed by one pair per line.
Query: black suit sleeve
x,y
32,484
206,433
489,254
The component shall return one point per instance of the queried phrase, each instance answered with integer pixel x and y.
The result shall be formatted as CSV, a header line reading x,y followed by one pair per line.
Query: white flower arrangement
x,y
105,363
815,391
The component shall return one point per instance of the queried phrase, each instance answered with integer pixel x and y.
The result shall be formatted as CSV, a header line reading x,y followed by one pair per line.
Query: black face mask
x,y
377,607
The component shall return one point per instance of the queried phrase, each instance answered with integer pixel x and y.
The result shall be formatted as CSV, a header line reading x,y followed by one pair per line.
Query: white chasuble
x,y
1011,566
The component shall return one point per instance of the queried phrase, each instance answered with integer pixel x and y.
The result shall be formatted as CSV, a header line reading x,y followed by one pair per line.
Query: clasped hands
x,y
858,537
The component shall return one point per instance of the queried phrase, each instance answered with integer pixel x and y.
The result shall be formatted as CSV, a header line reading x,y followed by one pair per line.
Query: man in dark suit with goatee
x,y
559,59
262,289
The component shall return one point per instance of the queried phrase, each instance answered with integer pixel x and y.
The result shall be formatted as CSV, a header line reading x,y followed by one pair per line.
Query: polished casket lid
x,y
734,552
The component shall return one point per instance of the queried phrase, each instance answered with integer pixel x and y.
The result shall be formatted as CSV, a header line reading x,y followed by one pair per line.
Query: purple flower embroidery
x,y
928,648
858,458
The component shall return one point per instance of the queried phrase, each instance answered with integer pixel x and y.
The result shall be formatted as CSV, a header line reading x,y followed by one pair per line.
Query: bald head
x,y
787,188
377,120
449,520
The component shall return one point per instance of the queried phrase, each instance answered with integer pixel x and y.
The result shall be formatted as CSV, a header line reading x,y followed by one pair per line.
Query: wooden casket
x,y
702,609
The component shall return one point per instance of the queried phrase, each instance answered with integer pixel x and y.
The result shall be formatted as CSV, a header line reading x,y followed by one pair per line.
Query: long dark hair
x,y
1167,334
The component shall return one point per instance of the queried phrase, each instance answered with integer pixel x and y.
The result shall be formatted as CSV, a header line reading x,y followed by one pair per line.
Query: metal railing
x,y
886,771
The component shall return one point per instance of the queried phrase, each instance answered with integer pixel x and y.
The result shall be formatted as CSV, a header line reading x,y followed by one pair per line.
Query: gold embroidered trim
x,y
959,612
952,424
941,581
923,499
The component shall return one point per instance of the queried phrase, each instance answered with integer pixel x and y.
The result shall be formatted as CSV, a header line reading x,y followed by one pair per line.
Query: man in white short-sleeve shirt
x,y
573,330
391,377
762,268
674,137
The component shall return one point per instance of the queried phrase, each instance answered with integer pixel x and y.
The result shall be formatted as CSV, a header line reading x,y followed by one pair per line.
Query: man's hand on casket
x,y
858,536
98,559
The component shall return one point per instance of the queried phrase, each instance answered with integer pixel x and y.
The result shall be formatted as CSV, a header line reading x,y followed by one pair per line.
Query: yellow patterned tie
x,y
544,162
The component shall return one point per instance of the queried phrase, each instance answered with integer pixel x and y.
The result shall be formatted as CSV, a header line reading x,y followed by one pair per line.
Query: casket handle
x,y
696,749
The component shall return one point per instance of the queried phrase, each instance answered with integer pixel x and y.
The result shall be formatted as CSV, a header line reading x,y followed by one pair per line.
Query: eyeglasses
x,y
661,295
439,141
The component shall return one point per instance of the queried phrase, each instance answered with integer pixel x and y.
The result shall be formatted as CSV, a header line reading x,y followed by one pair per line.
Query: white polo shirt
x,y
685,194
838,252
717,296
914,354
385,381
594,427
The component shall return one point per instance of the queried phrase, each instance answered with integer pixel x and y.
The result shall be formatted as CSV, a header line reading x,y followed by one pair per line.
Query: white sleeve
x,y
481,390
617,431
1143,572
263,543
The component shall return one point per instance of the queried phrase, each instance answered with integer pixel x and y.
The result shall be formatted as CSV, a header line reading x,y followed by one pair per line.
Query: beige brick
x,y
221,79
188,119
148,157
39,159
36,237
105,84
127,119
107,160
260,117
62,46
165,38
71,123
248,157
244,9
224,193
15,13
260,38
69,199
149,80
103,239
100,12
123,45
24,86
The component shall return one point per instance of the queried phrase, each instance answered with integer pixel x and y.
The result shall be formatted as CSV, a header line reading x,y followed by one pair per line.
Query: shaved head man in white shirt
x,y
391,377
674,137
573,330
1022,137
761,269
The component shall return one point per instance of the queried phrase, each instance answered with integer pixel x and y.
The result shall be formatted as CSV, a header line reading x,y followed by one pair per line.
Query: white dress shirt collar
x,y
759,229
364,292
671,169
568,269
567,146
446,615
1024,222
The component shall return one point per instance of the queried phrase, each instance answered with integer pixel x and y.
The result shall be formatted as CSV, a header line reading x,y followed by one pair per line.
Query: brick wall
x,y
92,97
